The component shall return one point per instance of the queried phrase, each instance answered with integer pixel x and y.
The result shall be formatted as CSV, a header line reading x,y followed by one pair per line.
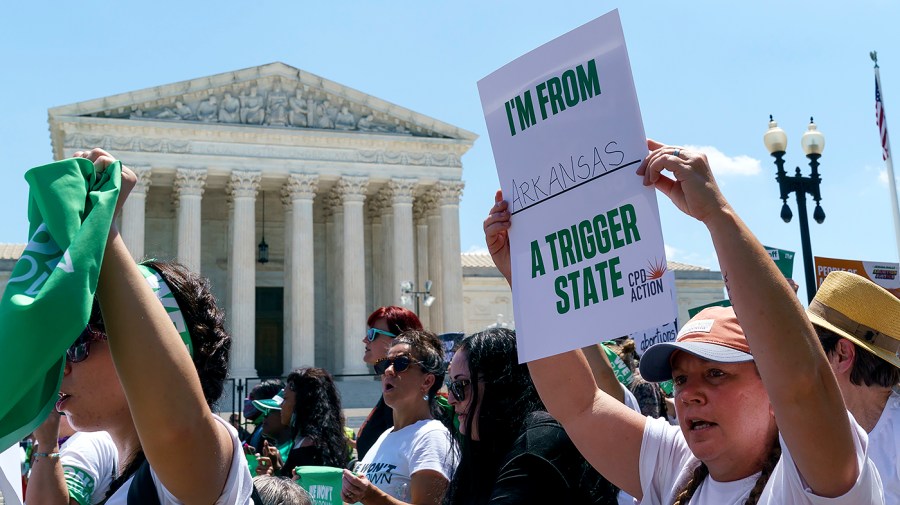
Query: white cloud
x,y
691,257
883,178
671,252
479,249
722,164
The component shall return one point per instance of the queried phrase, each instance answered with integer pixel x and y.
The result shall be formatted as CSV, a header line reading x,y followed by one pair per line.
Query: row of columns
x,y
400,221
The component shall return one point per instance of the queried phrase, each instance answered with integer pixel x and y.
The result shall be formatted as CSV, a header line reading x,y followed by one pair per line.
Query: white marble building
x,y
333,179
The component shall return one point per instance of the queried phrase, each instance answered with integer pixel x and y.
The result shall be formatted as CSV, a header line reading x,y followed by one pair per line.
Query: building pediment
x,y
270,96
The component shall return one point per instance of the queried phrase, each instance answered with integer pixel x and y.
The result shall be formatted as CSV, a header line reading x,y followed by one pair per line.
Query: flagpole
x,y
889,160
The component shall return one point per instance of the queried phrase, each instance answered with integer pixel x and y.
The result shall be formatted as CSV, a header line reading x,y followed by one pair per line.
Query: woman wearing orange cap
x,y
761,418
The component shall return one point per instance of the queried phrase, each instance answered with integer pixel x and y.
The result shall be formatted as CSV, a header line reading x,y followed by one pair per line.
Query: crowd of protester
x,y
768,403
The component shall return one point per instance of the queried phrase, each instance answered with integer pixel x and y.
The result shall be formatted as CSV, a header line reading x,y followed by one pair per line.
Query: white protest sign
x,y
645,338
587,252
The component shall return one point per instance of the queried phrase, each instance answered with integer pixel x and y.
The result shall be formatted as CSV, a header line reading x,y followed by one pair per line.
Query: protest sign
x,y
784,260
623,373
645,338
882,273
586,247
696,310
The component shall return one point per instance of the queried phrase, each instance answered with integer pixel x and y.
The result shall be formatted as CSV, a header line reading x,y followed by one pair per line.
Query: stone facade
x,y
336,173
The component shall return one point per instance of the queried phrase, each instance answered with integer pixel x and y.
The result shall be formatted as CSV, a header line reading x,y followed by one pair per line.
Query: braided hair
x,y
701,472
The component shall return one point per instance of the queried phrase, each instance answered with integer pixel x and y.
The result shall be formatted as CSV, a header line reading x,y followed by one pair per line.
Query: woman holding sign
x,y
155,345
761,419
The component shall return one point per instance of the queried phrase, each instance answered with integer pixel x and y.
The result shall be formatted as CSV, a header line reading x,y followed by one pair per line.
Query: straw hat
x,y
860,311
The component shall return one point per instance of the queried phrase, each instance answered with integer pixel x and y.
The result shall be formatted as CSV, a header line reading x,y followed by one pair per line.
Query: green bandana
x,y
164,293
323,483
48,298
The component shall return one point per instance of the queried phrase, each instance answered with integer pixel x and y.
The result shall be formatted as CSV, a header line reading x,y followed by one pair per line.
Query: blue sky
x,y
707,73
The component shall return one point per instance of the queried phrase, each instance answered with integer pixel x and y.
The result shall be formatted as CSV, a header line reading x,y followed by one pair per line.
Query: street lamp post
x,y
813,143
408,288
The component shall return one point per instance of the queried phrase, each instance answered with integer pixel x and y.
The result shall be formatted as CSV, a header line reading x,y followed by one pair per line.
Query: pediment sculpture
x,y
275,106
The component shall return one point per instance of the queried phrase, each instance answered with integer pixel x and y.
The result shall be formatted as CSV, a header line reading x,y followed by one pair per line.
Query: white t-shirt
x,y
667,463
630,400
397,455
238,485
89,461
884,448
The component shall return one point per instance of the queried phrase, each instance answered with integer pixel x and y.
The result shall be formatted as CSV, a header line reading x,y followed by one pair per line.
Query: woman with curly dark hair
x,y
512,450
156,345
312,410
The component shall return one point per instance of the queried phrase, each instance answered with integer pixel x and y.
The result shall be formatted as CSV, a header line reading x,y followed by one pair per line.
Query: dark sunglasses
x,y
81,349
372,334
458,389
400,363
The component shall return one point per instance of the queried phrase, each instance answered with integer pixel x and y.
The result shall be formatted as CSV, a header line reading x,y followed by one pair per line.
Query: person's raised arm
x,y
603,372
157,374
597,423
804,394
47,483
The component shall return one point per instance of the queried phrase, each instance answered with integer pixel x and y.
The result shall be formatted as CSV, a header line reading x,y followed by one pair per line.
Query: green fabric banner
x,y
623,373
323,483
47,301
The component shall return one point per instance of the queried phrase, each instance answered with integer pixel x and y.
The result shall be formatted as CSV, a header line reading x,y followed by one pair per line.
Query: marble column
x,y
375,207
300,327
188,191
435,253
134,213
451,264
335,267
390,292
352,191
420,218
403,243
242,188
287,204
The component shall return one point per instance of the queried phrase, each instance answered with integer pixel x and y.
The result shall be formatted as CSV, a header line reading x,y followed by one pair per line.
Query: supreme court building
x,y
352,195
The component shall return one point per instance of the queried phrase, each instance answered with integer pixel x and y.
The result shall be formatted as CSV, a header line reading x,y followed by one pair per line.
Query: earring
x,y
425,397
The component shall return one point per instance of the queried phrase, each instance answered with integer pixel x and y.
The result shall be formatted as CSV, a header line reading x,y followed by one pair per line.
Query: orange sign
x,y
884,274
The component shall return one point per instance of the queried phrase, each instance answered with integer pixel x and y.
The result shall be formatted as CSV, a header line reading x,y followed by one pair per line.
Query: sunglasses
x,y
81,349
400,363
372,334
458,389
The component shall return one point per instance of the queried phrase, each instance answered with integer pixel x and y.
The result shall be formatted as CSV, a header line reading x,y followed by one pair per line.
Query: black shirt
x,y
545,467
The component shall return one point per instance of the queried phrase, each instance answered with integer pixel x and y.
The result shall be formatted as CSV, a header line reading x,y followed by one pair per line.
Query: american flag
x,y
881,120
